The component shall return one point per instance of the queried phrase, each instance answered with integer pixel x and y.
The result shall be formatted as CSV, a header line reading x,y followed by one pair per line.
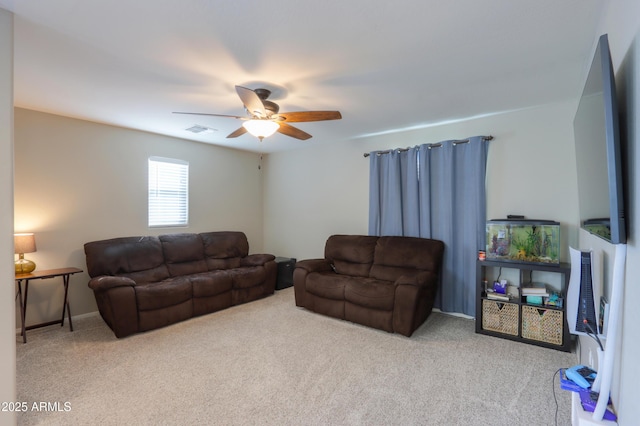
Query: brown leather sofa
x,y
143,283
388,283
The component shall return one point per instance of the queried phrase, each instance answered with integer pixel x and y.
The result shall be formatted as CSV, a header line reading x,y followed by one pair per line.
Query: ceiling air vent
x,y
196,128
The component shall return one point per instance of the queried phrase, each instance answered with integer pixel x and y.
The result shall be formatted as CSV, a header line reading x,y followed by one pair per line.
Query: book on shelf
x,y
554,300
534,300
492,295
534,289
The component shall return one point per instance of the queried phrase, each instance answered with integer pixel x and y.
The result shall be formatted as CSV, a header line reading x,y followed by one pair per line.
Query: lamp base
x,y
25,266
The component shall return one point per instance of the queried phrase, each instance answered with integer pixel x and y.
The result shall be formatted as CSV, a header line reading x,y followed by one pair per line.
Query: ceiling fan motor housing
x,y
262,93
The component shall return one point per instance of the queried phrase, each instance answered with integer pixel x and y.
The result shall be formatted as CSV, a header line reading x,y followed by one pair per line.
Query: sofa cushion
x,y
138,258
396,256
370,293
163,294
216,264
224,249
225,244
156,318
183,253
249,276
257,259
147,276
210,283
351,254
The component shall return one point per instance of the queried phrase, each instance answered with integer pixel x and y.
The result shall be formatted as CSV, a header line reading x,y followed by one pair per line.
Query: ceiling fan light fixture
x,y
261,128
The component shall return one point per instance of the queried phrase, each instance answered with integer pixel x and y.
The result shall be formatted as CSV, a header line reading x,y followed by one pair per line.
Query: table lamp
x,y
24,243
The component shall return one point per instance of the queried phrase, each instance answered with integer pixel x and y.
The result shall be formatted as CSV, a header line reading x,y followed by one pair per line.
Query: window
x,y
168,192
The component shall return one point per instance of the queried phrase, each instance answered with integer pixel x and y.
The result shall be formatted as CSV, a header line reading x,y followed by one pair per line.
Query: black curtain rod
x,y
433,145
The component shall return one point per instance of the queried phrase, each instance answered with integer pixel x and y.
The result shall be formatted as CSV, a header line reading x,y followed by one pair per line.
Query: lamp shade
x,y
261,128
24,243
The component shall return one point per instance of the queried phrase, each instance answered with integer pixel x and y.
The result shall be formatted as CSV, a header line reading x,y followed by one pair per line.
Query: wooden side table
x,y
65,273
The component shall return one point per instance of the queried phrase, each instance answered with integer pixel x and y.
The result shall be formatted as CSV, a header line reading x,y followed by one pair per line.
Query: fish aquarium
x,y
523,241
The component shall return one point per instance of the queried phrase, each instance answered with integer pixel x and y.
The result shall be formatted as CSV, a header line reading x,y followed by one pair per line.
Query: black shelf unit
x,y
563,268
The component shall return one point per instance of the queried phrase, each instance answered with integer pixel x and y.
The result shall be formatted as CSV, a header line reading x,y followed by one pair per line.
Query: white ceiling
x,y
385,65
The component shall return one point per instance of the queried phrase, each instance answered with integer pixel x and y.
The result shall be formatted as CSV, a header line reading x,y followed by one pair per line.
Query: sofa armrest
x,y
315,265
105,282
256,259
116,300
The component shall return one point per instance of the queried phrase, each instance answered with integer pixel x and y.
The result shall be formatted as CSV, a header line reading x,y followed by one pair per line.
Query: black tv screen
x,y
598,151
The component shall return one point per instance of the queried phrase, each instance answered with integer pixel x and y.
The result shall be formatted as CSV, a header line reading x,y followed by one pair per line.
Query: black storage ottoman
x,y
286,265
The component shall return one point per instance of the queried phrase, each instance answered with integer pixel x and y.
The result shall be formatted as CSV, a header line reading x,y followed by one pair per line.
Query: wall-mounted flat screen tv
x,y
598,151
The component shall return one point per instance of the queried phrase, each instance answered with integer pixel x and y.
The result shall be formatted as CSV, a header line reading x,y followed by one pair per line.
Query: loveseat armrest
x,y
256,259
414,299
315,265
302,270
419,279
105,282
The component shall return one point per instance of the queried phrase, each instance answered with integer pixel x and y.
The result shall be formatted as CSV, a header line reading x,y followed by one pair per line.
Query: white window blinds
x,y
168,192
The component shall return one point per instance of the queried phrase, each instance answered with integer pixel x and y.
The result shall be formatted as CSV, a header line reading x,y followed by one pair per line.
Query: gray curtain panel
x,y
435,191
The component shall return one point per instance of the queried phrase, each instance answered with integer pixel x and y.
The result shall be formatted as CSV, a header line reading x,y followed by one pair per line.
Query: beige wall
x,y
77,181
317,191
7,304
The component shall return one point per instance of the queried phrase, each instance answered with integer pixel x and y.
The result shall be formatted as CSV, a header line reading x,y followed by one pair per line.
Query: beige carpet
x,y
270,363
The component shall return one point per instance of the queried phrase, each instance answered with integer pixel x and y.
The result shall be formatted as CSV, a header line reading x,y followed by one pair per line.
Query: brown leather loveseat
x,y
143,283
388,283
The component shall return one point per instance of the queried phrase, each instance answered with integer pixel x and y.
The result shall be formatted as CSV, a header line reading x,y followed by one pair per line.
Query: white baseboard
x,y
454,314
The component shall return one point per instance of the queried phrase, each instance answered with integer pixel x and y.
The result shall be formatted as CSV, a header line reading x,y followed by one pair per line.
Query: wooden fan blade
x,y
300,116
239,132
294,132
251,101
212,115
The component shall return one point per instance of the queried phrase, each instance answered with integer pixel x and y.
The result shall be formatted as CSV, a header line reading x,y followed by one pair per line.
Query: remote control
x,y
581,375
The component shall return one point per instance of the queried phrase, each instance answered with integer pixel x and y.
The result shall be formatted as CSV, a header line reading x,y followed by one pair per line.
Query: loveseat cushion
x,y
397,256
370,293
163,294
351,254
183,254
328,285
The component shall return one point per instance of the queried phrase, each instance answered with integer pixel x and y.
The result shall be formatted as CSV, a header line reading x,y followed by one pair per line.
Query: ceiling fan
x,y
265,118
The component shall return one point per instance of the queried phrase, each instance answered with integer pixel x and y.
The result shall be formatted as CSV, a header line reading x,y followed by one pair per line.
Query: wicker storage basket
x,y
542,324
500,316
